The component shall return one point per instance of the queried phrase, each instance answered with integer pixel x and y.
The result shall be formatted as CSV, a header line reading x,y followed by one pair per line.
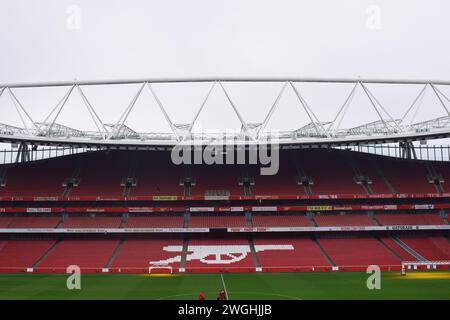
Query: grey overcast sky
x,y
59,40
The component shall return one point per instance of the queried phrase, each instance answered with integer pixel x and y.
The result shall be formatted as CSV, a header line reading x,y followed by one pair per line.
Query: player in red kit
x,y
222,295
202,296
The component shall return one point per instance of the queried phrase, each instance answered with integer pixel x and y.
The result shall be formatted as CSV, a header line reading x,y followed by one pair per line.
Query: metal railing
x,y
11,155
438,153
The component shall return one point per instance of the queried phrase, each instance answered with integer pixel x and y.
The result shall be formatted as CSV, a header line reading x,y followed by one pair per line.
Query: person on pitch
x,y
222,295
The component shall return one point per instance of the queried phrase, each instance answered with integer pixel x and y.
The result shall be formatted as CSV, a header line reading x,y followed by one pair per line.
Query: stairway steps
x,y
389,249
46,253
386,181
376,222
254,254
322,251
249,220
408,249
186,220
123,222
184,252
312,222
60,222
114,254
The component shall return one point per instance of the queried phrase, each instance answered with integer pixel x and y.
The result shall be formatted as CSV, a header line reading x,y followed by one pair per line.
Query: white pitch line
x,y
225,287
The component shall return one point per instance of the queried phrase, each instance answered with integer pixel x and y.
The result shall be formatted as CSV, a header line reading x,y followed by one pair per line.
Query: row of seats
x,y
358,252
272,251
333,220
223,221
102,173
431,248
409,219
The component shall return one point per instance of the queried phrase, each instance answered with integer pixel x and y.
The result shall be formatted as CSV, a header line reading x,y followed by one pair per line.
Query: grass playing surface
x,y
339,285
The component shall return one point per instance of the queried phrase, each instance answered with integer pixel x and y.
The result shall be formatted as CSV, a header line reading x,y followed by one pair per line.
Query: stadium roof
x,y
315,132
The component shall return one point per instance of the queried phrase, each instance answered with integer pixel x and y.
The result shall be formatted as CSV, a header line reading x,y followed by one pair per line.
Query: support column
x,y
23,153
407,150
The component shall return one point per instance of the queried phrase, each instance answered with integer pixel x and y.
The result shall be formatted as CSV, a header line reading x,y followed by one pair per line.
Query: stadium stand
x,y
217,221
328,170
286,180
366,166
331,181
409,219
265,221
91,222
154,222
34,222
155,175
5,221
431,248
216,179
408,176
33,179
22,253
138,253
102,174
400,252
357,252
285,252
89,254
443,170
328,220
219,254
109,168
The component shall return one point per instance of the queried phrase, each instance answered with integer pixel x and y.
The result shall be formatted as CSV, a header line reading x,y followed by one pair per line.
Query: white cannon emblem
x,y
216,254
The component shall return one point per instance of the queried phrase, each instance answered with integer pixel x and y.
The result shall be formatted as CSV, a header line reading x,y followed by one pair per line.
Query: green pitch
x,y
339,285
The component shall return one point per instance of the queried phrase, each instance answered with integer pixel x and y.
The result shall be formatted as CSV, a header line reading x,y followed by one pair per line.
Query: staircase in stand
x,y
435,178
46,253
311,220
124,220
322,251
388,248
358,177
114,254
184,252
249,220
72,182
186,218
375,221
254,254
408,249
380,172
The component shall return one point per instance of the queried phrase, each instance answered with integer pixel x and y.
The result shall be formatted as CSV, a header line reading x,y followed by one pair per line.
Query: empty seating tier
x,y
399,251
432,248
329,172
209,254
288,252
266,221
409,219
217,221
22,253
332,220
154,222
144,253
87,254
358,252
91,222
407,176
34,222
